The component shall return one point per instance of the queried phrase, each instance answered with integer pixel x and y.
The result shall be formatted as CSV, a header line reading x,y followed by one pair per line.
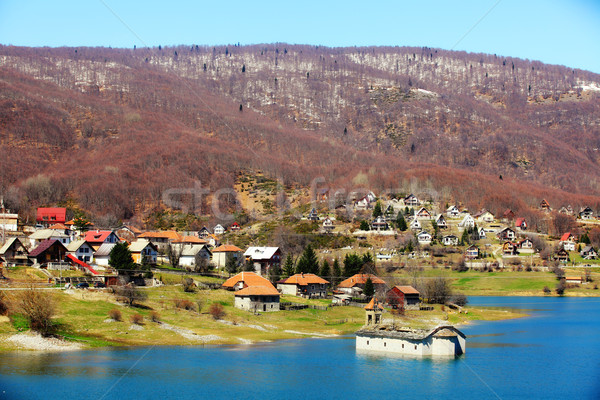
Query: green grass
x,y
19,322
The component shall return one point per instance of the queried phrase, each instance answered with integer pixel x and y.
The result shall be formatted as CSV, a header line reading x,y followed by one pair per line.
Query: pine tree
x,y
377,211
231,264
465,238
369,290
401,222
275,273
336,273
308,262
325,271
364,225
120,257
288,267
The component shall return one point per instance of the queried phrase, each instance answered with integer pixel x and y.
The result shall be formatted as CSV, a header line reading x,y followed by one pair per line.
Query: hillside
x,y
110,130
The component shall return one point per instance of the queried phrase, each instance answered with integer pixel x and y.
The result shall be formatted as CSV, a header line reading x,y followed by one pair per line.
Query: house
x,y
509,248
143,251
161,239
235,227
569,246
81,250
562,255
243,280
440,221
574,279
450,240
390,213
424,237
544,205
415,224
508,215
194,255
218,229
14,251
525,246
406,297
221,254
263,258
328,225
379,224
482,234
467,222
102,255
362,204
97,238
452,212
521,223
304,285
8,222
47,216
506,234
411,201
48,251
423,213
484,216
566,210
127,233
472,252
44,234
588,253
203,233
568,241
323,194
355,284
253,292
586,214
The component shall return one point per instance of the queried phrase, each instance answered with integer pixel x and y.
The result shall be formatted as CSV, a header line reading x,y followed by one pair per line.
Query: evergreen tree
x,y
231,264
336,273
288,267
369,290
377,211
352,264
120,257
585,238
325,271
275,273
465,238
249,266
364,225
401,222
308,262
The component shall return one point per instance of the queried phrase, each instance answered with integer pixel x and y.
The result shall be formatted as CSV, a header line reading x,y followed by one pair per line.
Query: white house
x,y
424,237
467,222
192,254
450,240
328,225
102,255
484,216
81,250
8,221
222,253
415,224
482,234
218,229
441,221
452,212
423,213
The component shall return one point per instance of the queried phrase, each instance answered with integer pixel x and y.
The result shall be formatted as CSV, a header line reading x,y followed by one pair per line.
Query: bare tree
x,y
38,307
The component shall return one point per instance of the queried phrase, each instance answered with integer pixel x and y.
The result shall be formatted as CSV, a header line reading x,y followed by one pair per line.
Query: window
x,y
402,345
384,344
367,342
415,346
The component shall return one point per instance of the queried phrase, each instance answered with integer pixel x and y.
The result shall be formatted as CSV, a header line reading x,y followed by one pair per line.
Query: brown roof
x,y
171,235
407,289
43,246
227,248
190,239
304,280
373,304
248,278
258,291
360,279
57,226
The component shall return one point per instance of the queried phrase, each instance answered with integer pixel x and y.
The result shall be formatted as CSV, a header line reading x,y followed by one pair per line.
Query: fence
x,y
287,305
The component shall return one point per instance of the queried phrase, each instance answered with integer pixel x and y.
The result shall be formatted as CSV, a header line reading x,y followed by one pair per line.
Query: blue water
x,y
554,354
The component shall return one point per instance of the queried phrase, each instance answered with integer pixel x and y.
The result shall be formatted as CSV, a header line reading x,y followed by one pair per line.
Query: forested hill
x,y
111,129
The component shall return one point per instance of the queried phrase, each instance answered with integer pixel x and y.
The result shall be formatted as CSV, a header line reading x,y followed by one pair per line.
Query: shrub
x,y
137,319
560,287
155,317
38,308
115,314
199,303
460,299
189,286
3,304
547,290
216,310
184,304
131,294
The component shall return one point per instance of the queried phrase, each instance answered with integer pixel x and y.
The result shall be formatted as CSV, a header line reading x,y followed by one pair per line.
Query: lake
x,y
554,354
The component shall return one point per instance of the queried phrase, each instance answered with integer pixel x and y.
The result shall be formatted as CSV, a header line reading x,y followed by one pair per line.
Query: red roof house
x,y
51,215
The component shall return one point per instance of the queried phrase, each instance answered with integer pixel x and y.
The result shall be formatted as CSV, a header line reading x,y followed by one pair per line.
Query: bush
x,y
131,294
459,299
547,290
3,304
560,287
189,286
155,317
115,314
216,310
199,303
137,319
38,308
184,304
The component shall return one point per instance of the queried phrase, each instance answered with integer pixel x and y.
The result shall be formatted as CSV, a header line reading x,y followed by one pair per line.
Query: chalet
x,y
411,201
253,292
47,216
452,212
143,251
423,213
406,297
467,222
218,229
566,210
521,223
568,241
588,253
263,258
379,224
235,227
415,225
440,221
472,252
203,233
102,255
508,215
45,234
371,197
424,237
561,255
213,240
362,204
569,246
450,240
14,251
506,234
525,246
544,205
194,255
390,213
162,239
313,215
221,254
586,214
48,251
97,238
81,250
304,285
509,248
355,285
328,225
484,216
8,221
482,234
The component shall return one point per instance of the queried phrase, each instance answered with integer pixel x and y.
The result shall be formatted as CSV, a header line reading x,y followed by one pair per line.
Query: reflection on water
x,y
510,359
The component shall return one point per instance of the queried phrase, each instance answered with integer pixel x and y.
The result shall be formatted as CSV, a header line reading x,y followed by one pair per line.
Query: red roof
x,y
360,279
374,304
520,221
304,280
248,279
96,236
227,248
258,291
51,214
407,289
565,237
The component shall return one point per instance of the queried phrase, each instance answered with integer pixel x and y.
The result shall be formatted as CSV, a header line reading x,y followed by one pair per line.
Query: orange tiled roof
x,y
304,279
191,239
171,235
227,248
360,279
408,289
249,279
258,291
374,304
57,226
